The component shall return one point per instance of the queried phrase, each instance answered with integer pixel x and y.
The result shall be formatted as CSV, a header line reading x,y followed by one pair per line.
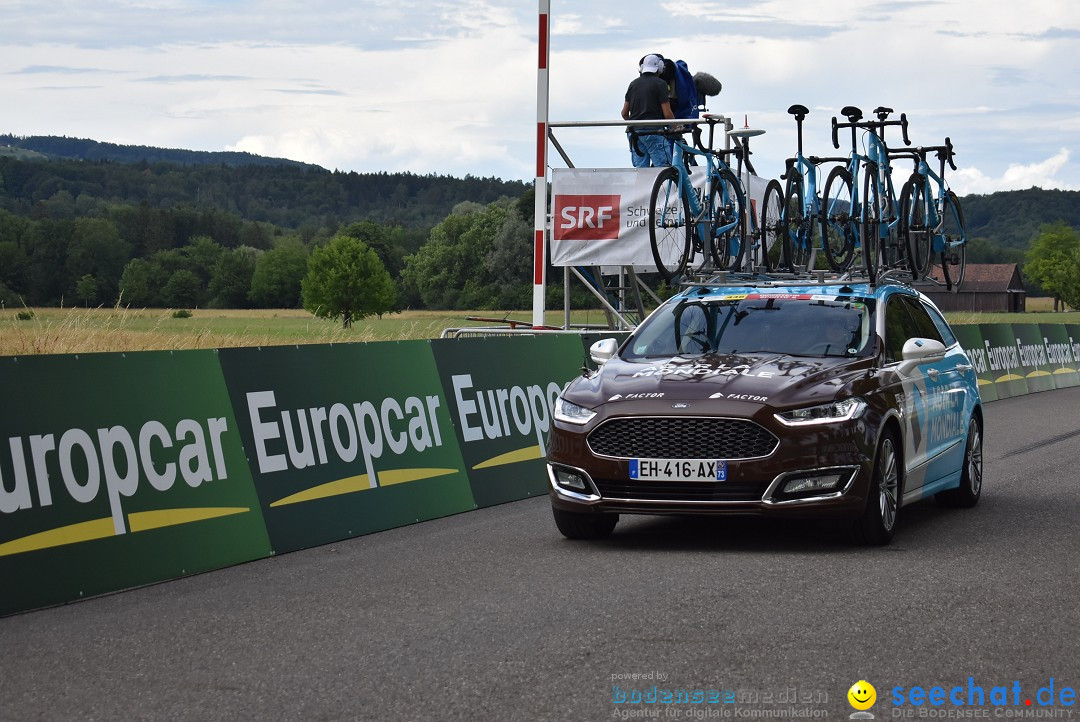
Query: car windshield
x,y
792,324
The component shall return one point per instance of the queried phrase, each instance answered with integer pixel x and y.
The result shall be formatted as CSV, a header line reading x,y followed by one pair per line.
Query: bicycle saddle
x,y
853,114
882,112
798,110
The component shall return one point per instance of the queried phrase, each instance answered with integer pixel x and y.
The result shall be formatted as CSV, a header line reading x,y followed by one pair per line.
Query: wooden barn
x,y
991,287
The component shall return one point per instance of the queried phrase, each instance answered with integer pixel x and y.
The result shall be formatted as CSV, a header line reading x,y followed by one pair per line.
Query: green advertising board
x,y
501,392
1034,359
1061,360
971,340
1003,358
118,470
346,439
1063,340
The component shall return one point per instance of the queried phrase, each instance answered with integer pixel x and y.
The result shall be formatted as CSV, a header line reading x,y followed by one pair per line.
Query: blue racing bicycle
x,y
685,222
931,221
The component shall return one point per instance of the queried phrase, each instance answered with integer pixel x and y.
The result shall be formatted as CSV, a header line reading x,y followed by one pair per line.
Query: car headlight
x,y
570,413
837,411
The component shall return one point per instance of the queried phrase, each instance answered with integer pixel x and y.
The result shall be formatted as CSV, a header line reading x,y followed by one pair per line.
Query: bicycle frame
x,y
701,209
932,222
878,154
699,206
808,172
934,217
880,212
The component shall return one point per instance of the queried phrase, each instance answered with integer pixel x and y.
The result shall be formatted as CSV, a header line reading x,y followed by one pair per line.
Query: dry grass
x,y
1039,310
81,330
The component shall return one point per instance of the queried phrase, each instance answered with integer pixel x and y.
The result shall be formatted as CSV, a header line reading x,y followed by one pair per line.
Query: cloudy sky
x,y
449,86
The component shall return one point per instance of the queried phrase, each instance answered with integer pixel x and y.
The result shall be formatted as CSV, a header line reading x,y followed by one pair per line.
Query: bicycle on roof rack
x,y
931,222
867,223
683,224
757,238
799,214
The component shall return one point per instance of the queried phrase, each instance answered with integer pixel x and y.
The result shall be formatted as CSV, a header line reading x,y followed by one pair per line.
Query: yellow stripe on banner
x,y
403,476
73,534
1038,372
513,457
349,485
1064,371
985,382
160,518
1010,377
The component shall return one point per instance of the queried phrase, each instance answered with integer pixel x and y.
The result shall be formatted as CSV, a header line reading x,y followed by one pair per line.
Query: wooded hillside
x,y
77,216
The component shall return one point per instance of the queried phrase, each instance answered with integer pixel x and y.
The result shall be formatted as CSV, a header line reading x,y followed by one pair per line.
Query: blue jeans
x,y
655,151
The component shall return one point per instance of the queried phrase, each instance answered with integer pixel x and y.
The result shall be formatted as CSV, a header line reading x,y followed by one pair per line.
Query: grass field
x,y
79,330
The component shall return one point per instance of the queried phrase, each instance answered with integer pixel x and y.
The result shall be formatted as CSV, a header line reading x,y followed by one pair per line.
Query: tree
x,y
141,282
277,277
96,248
182,290
385,241
230,281
347,279
1052,262
86,288
449,271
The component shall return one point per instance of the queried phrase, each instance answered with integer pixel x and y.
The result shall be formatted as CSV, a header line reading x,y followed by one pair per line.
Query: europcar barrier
x,y
123,469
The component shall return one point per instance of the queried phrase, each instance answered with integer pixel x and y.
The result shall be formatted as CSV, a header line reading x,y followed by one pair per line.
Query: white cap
x,y
652,64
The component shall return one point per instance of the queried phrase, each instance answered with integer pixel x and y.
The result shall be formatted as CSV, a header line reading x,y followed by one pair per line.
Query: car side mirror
x,y
917,349
602,351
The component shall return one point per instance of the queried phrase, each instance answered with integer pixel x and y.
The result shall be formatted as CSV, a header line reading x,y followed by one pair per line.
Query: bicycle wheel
x,y
915,233
892,254
726,209
954,257
870,222
796,226
839,232
772,223
669,225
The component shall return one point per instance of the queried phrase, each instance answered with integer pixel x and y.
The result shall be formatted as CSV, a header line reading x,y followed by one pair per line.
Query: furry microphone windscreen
x,y
706,84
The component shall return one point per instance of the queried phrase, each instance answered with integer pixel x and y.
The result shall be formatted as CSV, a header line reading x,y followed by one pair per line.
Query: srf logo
x,y
586,217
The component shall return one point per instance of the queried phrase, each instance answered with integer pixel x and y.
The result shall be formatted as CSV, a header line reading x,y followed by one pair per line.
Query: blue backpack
x,y
684,96
686,103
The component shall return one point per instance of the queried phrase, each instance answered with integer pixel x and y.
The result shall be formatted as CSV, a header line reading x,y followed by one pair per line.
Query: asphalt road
x,y
492,615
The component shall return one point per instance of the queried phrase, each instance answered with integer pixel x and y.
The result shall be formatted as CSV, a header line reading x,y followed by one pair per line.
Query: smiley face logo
x,y
862,695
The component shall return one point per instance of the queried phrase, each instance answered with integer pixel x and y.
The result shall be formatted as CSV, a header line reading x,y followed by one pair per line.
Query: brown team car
x,y
831,399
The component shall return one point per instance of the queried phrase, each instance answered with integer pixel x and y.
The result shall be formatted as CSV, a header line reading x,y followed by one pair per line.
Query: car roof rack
x,y
764,279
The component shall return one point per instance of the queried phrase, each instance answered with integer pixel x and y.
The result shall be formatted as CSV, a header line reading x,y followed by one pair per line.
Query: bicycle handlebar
x,y
945,153
878,126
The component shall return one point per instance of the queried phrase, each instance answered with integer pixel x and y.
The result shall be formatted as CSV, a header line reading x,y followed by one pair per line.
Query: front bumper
x,y
583,481
757,499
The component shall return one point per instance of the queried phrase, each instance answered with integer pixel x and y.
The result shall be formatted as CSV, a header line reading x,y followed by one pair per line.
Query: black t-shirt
x,y
646,95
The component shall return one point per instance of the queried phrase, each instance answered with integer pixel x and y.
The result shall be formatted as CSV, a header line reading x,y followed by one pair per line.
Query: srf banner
x,y
600,216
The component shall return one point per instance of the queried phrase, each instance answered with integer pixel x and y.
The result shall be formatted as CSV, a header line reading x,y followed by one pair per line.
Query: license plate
x,y
678,469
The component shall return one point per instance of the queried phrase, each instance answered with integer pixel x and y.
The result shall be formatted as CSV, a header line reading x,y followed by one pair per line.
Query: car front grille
x,y
680,491
681,438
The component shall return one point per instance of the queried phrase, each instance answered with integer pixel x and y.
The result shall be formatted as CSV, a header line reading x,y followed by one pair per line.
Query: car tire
x,y
573,525
877,523
970,489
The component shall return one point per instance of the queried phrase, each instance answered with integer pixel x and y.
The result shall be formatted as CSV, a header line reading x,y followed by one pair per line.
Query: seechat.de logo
x,y
586,217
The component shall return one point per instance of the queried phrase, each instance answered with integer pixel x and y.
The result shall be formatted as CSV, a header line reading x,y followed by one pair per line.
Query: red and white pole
x,y
540,210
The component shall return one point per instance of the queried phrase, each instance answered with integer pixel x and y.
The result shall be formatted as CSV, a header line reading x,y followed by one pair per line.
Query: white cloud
x,y
450,87
1042,174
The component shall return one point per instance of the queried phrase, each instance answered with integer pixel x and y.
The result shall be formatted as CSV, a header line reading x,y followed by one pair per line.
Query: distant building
x,y
989,287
